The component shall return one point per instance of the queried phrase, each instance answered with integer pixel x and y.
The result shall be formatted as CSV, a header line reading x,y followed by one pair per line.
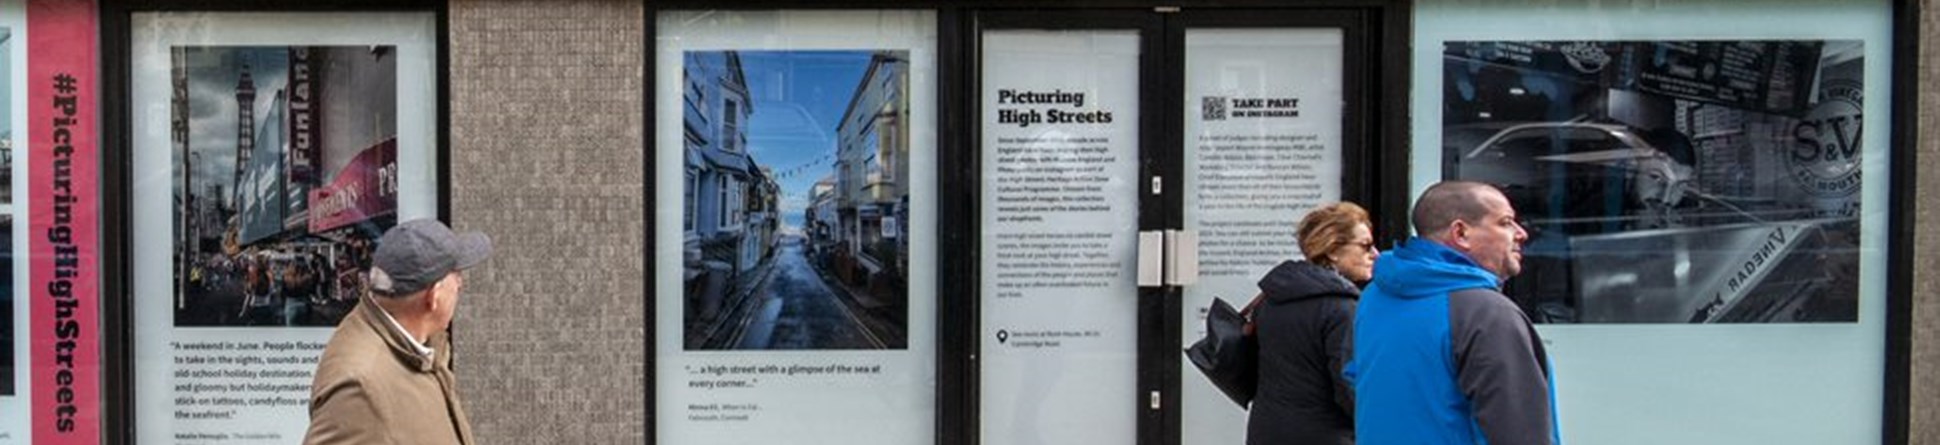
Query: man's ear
x,y
431,302
1458,235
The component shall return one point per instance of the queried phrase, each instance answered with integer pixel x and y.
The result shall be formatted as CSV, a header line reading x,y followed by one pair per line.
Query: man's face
x,y
1495,242
1659,181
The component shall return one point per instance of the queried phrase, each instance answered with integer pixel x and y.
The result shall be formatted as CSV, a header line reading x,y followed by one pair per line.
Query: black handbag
x,y
1228,352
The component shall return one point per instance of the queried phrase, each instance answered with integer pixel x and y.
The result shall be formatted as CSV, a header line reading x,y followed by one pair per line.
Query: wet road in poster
x,y
799,310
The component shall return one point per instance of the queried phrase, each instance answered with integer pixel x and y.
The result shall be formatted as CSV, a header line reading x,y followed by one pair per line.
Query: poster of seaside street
x,y
796,196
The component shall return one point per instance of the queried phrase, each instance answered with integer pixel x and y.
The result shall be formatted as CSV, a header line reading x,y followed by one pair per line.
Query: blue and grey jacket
x,y
1441,357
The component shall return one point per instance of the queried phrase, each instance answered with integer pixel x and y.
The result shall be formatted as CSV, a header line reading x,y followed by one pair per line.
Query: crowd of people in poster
x,y
1668,181
285,170
796,199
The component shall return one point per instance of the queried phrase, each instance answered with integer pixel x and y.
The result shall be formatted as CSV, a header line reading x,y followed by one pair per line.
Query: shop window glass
x,y
1691,178
798,303
300,138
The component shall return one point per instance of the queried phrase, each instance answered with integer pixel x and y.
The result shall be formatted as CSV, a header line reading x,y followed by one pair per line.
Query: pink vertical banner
x,y
63,220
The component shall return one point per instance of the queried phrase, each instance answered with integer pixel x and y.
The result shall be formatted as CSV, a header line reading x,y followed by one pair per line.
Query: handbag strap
x,y
1247,313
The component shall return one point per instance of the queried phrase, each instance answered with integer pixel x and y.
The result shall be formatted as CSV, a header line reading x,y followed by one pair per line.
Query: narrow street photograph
x,y
796,200
799,310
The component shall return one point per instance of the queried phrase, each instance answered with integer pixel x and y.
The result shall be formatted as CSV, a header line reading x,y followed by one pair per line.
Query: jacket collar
x,y
1421,267
399,342
1300,280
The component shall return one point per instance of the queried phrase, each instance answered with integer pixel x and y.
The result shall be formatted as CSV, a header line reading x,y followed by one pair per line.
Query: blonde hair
x,y
1328,227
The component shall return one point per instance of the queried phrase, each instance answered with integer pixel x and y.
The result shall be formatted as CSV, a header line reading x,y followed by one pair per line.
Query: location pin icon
x,y
1003,335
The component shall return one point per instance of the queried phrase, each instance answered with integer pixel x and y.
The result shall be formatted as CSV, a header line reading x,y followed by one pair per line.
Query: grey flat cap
x,y
417,253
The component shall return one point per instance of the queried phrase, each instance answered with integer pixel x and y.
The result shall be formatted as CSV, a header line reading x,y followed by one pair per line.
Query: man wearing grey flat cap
x,y
386,376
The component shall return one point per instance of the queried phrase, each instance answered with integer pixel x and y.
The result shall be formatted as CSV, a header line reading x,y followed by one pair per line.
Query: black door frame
x,y
1162,139
1154,85
1361,149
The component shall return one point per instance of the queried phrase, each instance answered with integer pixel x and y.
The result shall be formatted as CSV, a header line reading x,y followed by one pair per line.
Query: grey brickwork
x,y
1925,388
546,156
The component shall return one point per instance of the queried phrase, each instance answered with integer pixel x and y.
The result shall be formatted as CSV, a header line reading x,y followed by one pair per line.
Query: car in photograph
x,y
1619,231
1580,177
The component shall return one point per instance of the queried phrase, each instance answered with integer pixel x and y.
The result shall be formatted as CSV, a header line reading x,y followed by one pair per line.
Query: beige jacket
x,y
372,387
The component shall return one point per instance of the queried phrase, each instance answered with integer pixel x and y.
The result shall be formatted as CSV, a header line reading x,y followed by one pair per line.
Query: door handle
x,y
1168,258
1151,258
1182,257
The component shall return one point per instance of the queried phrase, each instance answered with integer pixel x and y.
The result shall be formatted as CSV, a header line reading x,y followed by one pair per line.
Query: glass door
x,y
1063,99
1132,167
1263,122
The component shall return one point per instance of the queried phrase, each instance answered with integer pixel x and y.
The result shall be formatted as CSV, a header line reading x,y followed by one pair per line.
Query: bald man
x,y
1440,355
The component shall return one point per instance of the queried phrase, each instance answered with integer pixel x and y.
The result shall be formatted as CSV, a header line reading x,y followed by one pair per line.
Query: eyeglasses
x,y
1365,246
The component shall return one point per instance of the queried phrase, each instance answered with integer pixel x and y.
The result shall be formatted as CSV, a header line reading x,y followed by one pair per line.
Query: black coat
x,y
1303,326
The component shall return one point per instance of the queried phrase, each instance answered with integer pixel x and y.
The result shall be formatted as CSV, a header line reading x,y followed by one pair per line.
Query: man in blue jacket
x,y
1440,356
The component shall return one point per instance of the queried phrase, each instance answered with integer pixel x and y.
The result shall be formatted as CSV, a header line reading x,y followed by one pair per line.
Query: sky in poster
x,y
799,99
213,75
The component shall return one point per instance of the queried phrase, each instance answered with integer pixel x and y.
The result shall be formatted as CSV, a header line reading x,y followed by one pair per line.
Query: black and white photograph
x,y
7,351
796,200
6,221
285,174
1668,181
6,115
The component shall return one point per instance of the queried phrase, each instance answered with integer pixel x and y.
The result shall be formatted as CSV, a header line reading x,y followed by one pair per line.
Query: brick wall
x,y
546,155
1925,388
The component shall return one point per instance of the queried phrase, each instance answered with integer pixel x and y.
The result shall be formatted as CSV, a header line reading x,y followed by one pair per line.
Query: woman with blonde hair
x,y
1303,318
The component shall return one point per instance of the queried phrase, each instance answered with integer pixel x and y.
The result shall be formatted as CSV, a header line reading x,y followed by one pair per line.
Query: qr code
x,y
1212,108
